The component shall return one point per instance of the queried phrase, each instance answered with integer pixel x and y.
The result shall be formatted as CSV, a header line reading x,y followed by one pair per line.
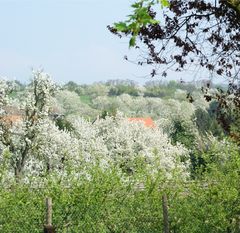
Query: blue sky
x,y
68,39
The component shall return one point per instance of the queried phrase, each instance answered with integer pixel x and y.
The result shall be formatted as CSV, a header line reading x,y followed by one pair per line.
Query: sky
x,y
67,39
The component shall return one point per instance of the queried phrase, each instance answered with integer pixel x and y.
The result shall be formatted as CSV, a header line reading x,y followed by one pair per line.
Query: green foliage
x,y
159,91
63,124
141,17
123,89
112,111
105,202
211,203
108,201
166,90
22,209
182,133
207,123
228,118
86,99
71,86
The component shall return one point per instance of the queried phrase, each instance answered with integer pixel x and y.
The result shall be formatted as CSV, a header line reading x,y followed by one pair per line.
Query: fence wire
x,y
113,207
23,211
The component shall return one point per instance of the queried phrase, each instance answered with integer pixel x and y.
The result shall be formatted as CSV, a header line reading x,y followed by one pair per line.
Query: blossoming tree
x,y
18,136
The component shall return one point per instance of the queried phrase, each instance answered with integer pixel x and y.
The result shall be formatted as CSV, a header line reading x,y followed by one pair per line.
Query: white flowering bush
x,y
38,148
4,90
156,108
92,147
72,106
121,142
52,150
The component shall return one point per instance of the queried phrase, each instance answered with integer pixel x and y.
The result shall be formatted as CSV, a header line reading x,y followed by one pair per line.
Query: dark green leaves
x,y
132,41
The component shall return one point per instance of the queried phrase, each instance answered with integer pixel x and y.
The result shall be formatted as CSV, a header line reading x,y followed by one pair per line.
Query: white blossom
x,y
123,143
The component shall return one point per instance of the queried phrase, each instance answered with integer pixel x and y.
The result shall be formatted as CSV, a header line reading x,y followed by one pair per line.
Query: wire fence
x,y
67,212
104,225
113,207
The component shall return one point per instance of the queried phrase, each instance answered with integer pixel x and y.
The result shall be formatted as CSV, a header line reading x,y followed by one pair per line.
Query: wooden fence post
x,y
166,228
48,228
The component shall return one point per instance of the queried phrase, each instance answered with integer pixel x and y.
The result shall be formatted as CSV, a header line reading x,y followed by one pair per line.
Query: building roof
x,y
146,120
10,119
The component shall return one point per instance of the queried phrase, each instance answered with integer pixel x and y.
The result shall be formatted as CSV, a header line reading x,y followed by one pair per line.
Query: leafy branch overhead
x,y
204,33
141,17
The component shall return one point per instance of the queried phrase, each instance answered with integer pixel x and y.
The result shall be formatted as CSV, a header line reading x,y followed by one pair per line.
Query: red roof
x,y
147,121
9,119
